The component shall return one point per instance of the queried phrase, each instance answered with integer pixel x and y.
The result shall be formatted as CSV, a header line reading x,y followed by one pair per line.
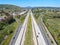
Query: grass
x,y
28,34
9,31
53,26
52,21
22,18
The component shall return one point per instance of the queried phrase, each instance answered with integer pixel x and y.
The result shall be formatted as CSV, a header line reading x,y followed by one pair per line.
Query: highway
x,y
19,39
41,40
39,36
34,35
18,31
20,13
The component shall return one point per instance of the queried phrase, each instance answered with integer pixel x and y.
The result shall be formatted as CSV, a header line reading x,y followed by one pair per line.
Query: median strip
x,y
29,34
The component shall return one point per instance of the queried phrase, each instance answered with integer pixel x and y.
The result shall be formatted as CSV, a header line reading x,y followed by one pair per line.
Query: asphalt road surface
x,y
38,33
41,40
19,39
16,39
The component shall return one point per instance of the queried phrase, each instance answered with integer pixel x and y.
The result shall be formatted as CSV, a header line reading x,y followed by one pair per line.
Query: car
x,y
37,36
13,37
38,33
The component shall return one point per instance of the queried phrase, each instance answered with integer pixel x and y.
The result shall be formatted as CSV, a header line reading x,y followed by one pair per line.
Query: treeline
x,y
10,8
8,19
7,11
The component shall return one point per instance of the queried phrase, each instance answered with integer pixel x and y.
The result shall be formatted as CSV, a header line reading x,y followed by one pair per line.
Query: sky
x,y
32,3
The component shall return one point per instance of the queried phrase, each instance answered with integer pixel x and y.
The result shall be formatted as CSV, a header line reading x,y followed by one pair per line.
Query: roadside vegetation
x,y
51,18
7,28
7,33
36,13
8,25
28,34
52,21
21,18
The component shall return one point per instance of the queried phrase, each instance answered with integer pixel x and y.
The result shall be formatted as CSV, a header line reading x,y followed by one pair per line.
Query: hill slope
x,y
9,7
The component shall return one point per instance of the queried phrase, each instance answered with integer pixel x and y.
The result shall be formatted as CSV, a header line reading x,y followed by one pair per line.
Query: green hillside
x,y
9,7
